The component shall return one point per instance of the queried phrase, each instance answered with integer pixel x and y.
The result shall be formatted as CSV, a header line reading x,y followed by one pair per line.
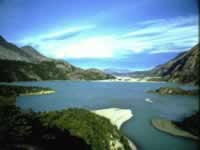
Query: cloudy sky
x,y
121,34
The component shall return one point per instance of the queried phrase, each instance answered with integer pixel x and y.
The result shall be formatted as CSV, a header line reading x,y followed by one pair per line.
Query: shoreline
x,y
117,117
38,93
167,126
21,90
130,79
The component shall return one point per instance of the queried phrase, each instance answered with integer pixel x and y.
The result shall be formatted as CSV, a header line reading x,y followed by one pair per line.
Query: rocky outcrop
x,y
9,51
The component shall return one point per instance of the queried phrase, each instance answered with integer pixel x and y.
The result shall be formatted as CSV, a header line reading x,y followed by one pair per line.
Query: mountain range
x,y
184,68
27,64
117,71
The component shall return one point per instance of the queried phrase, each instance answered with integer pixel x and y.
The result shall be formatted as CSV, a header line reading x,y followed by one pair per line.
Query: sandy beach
x,y
117,117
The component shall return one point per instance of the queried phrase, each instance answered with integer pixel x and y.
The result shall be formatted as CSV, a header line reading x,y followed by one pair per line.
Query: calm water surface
x,y
99,95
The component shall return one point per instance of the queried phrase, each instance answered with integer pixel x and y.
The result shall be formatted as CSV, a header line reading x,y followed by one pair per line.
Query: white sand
x,y
117,116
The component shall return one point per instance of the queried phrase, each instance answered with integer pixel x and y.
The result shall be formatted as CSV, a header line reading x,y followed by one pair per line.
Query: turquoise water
x,y
99,95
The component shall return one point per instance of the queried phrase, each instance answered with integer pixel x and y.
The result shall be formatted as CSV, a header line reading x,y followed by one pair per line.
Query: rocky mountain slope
x,y
34,53
117,72
183,68
9,51
25,64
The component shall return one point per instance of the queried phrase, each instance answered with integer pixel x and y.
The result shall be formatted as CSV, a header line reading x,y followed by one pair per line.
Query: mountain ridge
x,y
34,53
183,68
27,64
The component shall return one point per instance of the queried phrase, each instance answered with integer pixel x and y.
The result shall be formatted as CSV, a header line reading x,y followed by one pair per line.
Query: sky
x,y
104,34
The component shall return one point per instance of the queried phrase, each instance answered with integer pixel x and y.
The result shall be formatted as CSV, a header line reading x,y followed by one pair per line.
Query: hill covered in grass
x,y
27,64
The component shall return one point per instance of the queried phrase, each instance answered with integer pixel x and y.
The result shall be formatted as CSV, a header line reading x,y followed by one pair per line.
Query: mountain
x,y
117,72
9,51
91,74
184,68
34,53
26,63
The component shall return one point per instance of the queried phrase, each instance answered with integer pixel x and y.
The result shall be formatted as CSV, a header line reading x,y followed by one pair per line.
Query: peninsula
x,y
170,127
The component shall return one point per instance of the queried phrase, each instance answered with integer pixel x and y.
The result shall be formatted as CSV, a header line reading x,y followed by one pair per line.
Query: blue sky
x,y
122,34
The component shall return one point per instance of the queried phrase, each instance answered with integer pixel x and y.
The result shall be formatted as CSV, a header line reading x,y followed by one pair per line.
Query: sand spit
x,y
117,117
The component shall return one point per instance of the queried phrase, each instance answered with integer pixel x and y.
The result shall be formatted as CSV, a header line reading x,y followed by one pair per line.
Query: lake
x,y
100,95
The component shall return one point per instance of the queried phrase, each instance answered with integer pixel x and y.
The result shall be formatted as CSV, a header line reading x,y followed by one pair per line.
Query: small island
x,y
174,91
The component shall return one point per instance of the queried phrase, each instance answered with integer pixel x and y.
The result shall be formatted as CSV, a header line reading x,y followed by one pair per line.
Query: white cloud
x,y
152,36
56,34
165,35
91,47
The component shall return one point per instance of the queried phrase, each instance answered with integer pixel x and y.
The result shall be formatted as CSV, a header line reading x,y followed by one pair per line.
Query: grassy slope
x,y
97,131
46,70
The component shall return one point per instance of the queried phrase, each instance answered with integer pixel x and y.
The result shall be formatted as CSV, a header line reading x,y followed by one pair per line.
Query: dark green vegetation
x,y
24,130
26,64
191,124
97,131
7,90
77,129
174,91
46,70
23,71
184,68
